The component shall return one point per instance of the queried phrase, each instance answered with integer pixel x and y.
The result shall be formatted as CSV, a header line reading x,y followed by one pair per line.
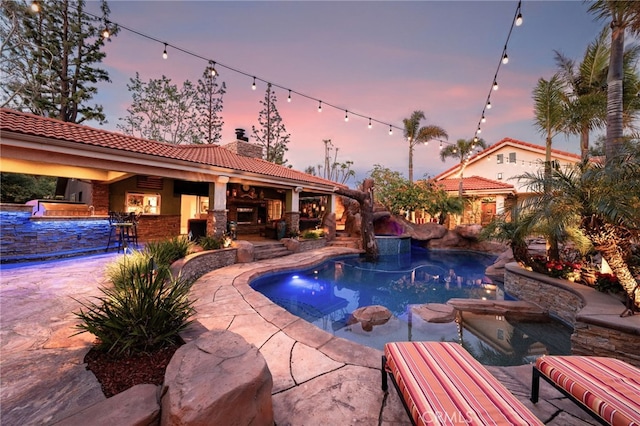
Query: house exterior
x,y
489,178
176,189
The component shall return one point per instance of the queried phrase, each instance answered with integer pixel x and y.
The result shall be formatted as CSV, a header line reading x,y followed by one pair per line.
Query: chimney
x,y
240,135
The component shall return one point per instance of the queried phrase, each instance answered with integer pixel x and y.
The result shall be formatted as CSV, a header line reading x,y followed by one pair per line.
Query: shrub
x,y
312,234
608,283
165,252
144,314
210,243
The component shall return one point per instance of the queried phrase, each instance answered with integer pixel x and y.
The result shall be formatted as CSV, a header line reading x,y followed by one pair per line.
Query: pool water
x,y
328,293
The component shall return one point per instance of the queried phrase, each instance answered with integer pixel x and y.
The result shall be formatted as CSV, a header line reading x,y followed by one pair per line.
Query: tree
x,y
271,133
364,198
161,111
49,59
622,15
416,134
332,169
602,201
20,188
462,150
550,113
208,104
586,85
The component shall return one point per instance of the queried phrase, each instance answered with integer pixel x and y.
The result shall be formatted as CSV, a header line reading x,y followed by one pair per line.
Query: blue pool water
x,y
328,293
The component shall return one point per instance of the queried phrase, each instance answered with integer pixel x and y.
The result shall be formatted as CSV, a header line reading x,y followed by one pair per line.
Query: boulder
x,y
470,232
435,312
496,271
245,251
329,226
218,379
369,316
291,244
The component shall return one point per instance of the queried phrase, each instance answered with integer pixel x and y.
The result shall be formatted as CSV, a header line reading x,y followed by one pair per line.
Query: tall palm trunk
x,y
584,142
553,251
614,93
411,162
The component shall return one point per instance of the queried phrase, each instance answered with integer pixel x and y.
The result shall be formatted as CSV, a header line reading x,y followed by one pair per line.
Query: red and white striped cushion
x,y
443,384
608,386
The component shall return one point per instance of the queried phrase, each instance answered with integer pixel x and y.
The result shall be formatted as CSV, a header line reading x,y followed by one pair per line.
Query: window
x,y
142,203
274,209
500,158
512,157
499,176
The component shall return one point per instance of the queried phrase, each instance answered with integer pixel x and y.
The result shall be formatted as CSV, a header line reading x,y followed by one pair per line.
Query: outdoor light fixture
x,y
289,98
488,104
426,143
213,68
440,145
495,85
369,122
519,19
253,86
505,58
105,33
478,131
346,115
35,6
164,54
483,119
390,130
319,106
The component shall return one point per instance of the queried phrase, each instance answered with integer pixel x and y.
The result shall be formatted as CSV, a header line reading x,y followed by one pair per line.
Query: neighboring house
x,y
175,188
490,177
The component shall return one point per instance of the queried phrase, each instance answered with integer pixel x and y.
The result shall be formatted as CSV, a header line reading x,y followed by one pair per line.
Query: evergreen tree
x,y
208,107
271,134
49,59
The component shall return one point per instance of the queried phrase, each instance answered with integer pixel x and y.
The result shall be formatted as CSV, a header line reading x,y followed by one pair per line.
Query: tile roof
x,y
473,183
210,155
508,141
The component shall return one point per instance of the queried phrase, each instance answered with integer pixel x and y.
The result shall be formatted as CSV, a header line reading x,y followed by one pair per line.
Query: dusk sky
x,y
380,59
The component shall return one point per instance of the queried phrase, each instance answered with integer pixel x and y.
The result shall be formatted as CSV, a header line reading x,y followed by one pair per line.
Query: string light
x,y
346,115
488,104
319,106
105,33
35,6
483,119
369,122
164,54
440,145
289,98
253,85
212,66
390,130
505,58
495,85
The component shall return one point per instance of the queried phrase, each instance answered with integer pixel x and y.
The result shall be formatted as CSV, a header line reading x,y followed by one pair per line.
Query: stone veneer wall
x,y
197,264
26,237
158,227
599,330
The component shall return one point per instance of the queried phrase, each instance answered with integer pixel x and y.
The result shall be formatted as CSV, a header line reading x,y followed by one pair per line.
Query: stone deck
x,y
318,379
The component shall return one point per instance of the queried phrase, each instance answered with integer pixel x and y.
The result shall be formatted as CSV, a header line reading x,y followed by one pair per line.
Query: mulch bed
x,y
119,374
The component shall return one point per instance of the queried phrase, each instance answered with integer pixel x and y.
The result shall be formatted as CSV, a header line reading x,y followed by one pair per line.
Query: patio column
x,y
499,204
217,217
292,210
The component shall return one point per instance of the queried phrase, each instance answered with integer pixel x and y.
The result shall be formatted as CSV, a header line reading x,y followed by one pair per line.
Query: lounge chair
x,y
606,388
441,383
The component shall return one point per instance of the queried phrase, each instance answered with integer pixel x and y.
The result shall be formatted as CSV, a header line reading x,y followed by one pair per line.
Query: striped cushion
x,y
443,384
607,386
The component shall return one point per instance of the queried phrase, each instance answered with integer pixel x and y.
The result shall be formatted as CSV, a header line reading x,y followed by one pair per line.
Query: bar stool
x,y
122,228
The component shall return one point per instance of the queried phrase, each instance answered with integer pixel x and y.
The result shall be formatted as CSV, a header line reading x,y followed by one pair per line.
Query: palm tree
x,y
416,134
461,151
601,200
623,15
550,106
587,88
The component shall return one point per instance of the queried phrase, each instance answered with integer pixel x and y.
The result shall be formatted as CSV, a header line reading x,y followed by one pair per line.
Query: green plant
x,y
312,234
208,242
165,252
146,314
121,272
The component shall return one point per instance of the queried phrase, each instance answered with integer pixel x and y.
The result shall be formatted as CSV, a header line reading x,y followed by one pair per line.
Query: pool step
x,y
511,309
269,251
349,242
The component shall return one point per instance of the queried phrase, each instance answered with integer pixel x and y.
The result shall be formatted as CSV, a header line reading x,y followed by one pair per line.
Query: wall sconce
x,y
298,189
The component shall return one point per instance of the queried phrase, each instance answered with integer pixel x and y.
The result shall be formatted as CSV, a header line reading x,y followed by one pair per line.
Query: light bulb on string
x,y
346,115
390,130
319,106
289,98
164,53
488,104
440,145
213,68
253,85
495,85
35,6
505,58
369,122
105,33
483,119
519,19
426,143
478,131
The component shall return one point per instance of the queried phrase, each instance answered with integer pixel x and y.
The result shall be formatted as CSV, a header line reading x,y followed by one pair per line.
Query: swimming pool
x,y
327,294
